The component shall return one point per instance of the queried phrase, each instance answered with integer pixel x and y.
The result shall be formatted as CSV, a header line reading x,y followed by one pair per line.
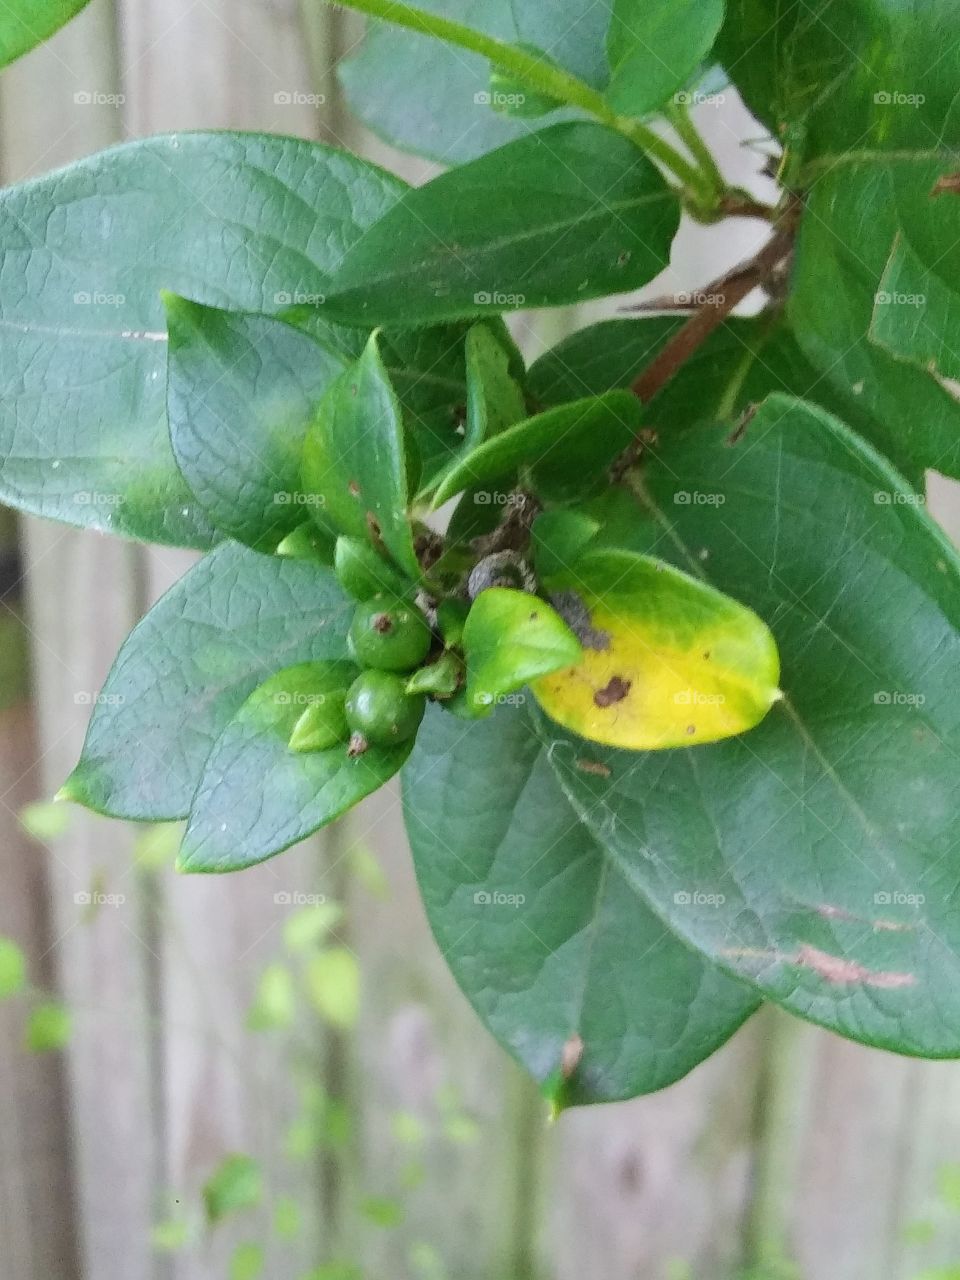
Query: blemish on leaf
x,y
571,1056
947,182
573,610
596,767
840,972
353,489
614,692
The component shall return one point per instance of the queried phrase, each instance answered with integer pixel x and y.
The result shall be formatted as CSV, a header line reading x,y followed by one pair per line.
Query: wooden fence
x,y
412,1147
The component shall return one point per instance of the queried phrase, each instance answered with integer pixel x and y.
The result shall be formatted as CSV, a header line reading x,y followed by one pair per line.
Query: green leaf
x,y
510,638
26,23
235,1185
241,392
185,670
559,538
564,215
303,930
247,1262
844,245
655,47
495,399
667,661
365,573
256,796
275,1003
13,969
546,937
354,459
564,449
45,820
917,311
48,1028
425,96
512,96
333,984
738,365
811,856
243,222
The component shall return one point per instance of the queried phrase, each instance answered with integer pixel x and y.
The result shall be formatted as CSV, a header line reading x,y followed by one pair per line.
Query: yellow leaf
x,y
668,661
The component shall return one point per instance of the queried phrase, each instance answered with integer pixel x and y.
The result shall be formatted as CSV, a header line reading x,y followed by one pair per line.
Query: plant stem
x,y
723,295
546,78
679,116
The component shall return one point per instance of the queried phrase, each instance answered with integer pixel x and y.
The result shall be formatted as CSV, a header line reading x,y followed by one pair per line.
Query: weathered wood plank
x,y
82,599
37,1229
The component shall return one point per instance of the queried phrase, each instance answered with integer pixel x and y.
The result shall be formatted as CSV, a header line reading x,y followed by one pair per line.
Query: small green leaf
x,y
13,969
564,450
256,797
185,670
306,928
275,1004
494,397
572,213
235,1185
287,1219
48,1028
441,678
510,639
382,1211
655,48
45,820
247,1262
559,539
667,660
26,23
354,459
242,391
308,542
364,573
333,984
170,1236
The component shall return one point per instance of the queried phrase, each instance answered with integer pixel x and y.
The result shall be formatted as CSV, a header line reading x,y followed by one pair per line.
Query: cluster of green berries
x,y
389,640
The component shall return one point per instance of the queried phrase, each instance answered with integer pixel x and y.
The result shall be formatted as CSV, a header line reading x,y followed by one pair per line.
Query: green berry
x,y
389,636
380,711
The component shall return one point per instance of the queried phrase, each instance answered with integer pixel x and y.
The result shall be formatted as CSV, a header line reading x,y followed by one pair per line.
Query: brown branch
x,y
718,300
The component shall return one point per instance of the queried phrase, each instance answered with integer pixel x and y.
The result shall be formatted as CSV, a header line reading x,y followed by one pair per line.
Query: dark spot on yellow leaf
x,y
614,692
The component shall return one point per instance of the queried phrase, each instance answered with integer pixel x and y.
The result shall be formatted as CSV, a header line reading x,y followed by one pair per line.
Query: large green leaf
x,y
655,47
26,23
563,449
571,213
738,365
242,391
547,938
917,312
856,76
846,237
814,855
184,671
429,97
256,797
238,221
354,460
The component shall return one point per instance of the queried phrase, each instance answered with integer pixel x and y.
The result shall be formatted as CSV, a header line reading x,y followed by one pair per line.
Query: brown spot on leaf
x,y
373,524
947,182
382,623
596,767
571,1055
840,972
353,489
615,692
739,430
